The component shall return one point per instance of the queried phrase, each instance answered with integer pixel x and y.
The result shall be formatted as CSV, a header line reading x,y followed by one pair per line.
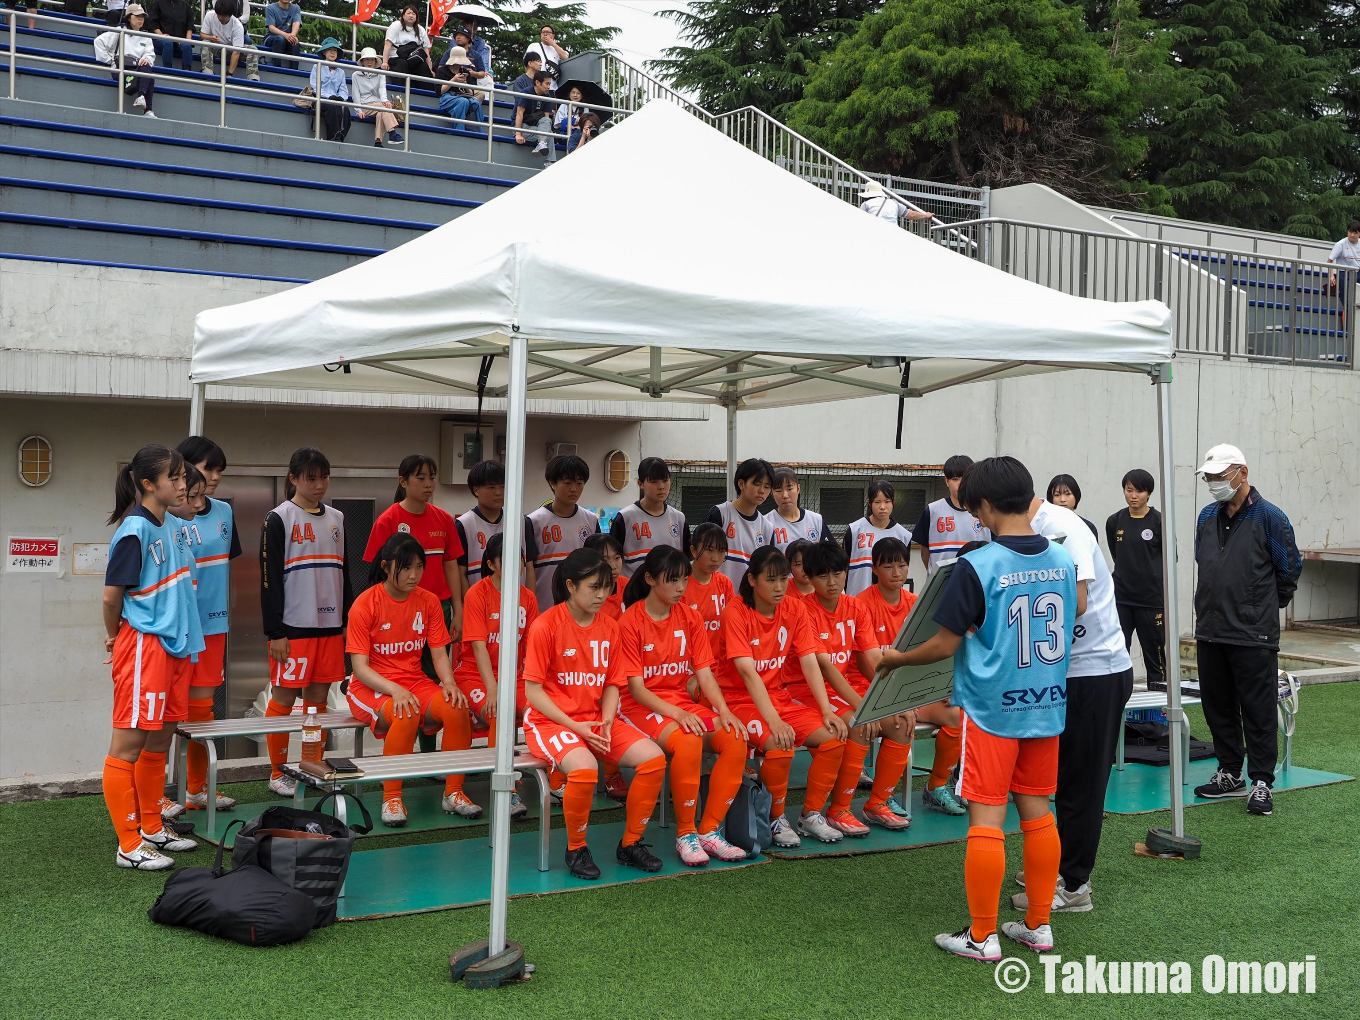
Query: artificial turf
x,y
846,937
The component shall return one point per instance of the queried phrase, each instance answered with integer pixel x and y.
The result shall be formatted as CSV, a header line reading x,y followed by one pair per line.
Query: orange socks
x,y
948,741
457,735
686,752
642,796
149,777
276,742
826,764
984,869
888,768
1043,854
847,780
724,780
200,710
399,739
775,775
576,801
120,794
610,769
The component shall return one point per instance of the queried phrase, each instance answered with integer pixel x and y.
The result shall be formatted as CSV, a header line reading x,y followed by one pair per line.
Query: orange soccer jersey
x,y
887,619
841,633
613,606
770,642
573,663
709,600
393,634
482,622
663,652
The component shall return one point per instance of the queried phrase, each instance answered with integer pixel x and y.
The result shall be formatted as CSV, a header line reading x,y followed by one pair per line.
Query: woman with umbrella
x,y
578,123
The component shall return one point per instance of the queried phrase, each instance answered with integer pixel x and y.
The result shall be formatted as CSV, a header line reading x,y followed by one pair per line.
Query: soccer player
x,y
708,590
663,643
1016,600
572,679
479,665
390,625
152,628
486,479
945,526
740,518
1134,535
615,786
1064,491
560,526
799,586
877,523
650,522
761,630
305,595
788,521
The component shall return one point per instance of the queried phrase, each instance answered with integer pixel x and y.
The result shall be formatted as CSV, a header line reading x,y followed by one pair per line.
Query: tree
x,y
755,52
983,92
524,19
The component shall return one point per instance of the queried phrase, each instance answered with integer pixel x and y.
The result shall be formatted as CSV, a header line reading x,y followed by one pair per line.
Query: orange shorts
x,y
552,741
210,669
150,686
802,695
475,692
367,704
992,767
314,660
652,723
804,720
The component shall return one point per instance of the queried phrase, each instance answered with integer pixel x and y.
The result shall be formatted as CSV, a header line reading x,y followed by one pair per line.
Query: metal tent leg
x,y
1175,714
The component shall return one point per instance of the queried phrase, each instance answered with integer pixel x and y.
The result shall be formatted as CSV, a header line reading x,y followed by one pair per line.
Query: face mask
x,y
1222,490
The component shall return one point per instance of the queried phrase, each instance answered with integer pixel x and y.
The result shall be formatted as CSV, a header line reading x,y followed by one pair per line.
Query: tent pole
x,y
198,397
1175,716
731,448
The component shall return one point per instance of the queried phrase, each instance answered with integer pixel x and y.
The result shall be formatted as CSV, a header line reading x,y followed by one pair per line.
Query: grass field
x,y
848,937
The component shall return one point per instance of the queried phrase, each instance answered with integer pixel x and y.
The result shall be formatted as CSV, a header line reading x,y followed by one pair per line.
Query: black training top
x,y
1136,545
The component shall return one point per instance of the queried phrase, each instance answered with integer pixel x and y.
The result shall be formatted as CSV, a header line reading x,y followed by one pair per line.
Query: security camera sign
x,y
34,555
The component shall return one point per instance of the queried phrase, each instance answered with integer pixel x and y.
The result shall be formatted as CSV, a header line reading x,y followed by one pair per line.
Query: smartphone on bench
x,y
341,765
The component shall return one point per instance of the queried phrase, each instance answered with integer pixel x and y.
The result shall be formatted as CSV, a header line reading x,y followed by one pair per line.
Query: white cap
x,y
1220,458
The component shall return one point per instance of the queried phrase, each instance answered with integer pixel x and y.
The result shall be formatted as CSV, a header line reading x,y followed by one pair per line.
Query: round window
x,y
35,461
616,470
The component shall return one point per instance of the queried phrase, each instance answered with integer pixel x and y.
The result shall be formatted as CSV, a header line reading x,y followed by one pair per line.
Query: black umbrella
x,y
591,92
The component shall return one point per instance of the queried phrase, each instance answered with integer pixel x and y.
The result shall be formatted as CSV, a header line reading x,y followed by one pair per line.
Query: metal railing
x,y
1225,303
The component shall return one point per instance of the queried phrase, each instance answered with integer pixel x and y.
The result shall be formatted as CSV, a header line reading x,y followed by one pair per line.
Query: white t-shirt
x,y
1345,254
1098,642
398,35
552,63
885,207
232,33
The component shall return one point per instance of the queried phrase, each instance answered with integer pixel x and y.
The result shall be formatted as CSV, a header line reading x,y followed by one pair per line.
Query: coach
x,y
1248,571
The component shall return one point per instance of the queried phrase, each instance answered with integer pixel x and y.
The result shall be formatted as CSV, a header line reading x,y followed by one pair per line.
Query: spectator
x,y
282,21
456,97
113,12
476,70
1134,536
524,84
1346,252
406,50
478,50
328,81
567,120
221,25
589,128
370,93
1248,571
138,53
550,52
877,202
536,109
174,20
1064,491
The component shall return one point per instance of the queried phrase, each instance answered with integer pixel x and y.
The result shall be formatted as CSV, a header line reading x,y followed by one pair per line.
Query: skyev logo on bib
x,y
1034,696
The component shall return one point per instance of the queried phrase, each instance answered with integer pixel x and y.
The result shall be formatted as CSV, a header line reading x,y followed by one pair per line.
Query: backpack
x,y
748,819
246,904
308,850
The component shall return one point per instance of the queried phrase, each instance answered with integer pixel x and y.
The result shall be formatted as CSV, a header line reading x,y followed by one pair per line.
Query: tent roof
x,y
666,260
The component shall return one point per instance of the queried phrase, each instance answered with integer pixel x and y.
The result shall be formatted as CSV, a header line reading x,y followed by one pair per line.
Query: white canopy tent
x,y
665,260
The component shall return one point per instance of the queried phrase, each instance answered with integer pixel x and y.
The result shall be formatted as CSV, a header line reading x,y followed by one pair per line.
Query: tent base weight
x,y
476,969
1162,843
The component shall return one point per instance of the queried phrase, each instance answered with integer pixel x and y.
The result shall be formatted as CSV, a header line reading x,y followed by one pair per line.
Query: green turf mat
x,y
1142,788
443,876
927,828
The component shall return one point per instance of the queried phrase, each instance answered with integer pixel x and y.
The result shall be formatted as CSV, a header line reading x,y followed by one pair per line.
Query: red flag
x,y
363,11
440,11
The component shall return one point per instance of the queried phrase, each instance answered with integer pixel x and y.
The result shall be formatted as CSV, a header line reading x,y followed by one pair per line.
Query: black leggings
x,y
416,63
145,86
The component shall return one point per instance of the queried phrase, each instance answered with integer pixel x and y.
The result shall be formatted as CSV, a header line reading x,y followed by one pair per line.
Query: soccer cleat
x,y
1222,784
782,834
880,814
170,810
283,786
814,824
690,851
615,786
393,813
555,795
139,103
145,858
944,800
581,864
1260,801
1039,939
458,803
518,809
638,855
898,807
961,943
866,781
199,802
715,846
847,823
1078,901
168,840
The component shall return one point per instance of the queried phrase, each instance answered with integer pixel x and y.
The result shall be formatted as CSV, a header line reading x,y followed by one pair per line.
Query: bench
x,y
1141,700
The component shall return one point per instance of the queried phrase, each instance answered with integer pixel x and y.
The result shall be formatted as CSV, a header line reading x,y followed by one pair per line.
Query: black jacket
x,y
173,17
1246,575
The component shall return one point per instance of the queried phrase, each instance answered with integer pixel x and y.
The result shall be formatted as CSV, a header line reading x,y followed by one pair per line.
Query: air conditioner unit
x,y
561,450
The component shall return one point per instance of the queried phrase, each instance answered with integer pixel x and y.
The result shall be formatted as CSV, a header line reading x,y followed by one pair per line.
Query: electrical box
x,y
561,450
460,447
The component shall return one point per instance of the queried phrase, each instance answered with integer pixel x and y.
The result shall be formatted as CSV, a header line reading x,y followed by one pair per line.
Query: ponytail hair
x,y
192,478
147,464
664,563
580,566
305,462
708,535
409,466
767,560
399,552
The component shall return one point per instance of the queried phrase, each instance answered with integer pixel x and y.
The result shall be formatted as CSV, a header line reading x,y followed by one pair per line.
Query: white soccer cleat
x,y
690,851
1039,939
144,858
715,846
170,810
199,802
283,786
815,825
460,804
393,813
168,841
782,834
518,809
961,943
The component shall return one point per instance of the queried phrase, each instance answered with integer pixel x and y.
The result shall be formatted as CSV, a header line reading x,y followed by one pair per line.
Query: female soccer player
x,y
152,628
608,547
1064,491
572,679
390,625
799,586
788,522
641,526
305,594
876,524
663,643
480,664
486,481
760,630
708,590
740,518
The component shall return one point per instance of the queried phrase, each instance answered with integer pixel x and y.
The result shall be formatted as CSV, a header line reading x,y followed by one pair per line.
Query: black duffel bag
x,y
246,904
307,850
747,824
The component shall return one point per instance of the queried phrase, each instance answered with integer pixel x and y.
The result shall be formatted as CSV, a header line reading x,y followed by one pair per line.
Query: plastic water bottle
x,y
313,737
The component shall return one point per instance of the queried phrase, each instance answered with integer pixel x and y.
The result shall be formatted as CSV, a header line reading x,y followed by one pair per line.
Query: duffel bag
x,y
747,824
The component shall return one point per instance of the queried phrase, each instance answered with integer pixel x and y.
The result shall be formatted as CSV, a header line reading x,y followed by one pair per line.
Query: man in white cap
x,y
877,202
1248,570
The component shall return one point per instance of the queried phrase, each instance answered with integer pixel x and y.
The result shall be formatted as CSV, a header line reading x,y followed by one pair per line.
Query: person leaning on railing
x,y
174,20
457,97
138,52
877,202
1346,252
406,47
282,21
221,25
370,92
328,81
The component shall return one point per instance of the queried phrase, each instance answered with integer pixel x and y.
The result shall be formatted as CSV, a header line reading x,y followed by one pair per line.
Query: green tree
x,y
981,92
755,52
524,19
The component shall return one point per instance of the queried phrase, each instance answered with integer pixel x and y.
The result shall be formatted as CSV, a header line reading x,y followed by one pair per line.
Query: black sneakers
x,y
582,865
639,856
1222,784
1259,801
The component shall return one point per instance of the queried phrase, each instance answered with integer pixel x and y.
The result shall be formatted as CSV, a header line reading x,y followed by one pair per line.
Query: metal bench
x,y
1141,700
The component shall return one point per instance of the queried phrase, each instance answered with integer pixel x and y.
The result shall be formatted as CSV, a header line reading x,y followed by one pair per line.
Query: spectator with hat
x,y
328,82
457,97
877,202
478,50
138,54
370,93
283,21
1248,569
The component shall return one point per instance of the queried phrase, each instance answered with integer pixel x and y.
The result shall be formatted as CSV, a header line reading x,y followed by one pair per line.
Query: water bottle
x,y
313,737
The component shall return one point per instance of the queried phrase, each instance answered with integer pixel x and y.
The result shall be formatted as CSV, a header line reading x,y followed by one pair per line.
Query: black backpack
x,y
246,904
748,819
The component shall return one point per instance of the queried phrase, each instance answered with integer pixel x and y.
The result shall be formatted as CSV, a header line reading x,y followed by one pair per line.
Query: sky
x,y
644,33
